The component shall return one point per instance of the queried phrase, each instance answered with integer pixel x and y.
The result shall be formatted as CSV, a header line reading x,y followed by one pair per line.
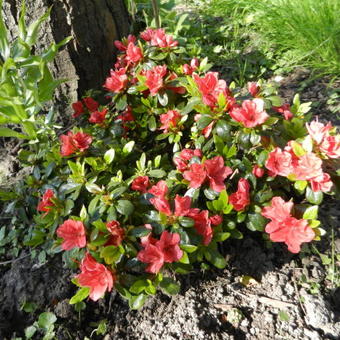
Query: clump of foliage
x,y
174,163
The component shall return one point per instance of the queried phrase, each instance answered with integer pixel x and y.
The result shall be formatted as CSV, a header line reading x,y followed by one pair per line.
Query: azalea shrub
x,y
175,161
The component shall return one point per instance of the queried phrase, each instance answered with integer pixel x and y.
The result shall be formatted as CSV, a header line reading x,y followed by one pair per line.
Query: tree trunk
x,y
93,24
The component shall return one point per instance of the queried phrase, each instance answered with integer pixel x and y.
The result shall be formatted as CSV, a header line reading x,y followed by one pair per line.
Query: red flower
x,y
190,69
73,233
159,190
95,276
182,205
284,110
91,104
161,204
321,183
254,88
78,109
127,115
212,170
331,146
284,227
133,53
257,171
154,78
157,253
211,87
122,45
181,162
117,80
279,163
46,203
141,184
196,175
147,34
217,173
202,224
72,143
251,113
216,219
240,199
98,117
169,120
117,233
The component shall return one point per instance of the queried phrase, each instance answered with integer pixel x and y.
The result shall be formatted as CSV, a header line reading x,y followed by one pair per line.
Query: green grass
x,y
306,32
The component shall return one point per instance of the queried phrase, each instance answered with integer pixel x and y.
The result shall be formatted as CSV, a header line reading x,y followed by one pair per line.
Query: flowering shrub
x,y
175,162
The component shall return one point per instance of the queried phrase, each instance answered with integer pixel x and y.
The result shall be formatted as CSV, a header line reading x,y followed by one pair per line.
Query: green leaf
x,y
6,132
139,232
128,147
136,302
33,29
83,213
163,98
46,320
109,156
298,149
314,197
110,254
214,257
30,331
300,185
220,237
125,207
232,151
275,100
223,130
184,259
139,286
204,121
257,221
152,124
186,222
191,104
169,286
189,248
93,188
311,213
4,45
81,294
157,173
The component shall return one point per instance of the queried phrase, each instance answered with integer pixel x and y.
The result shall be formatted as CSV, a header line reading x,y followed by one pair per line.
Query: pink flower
x,y
165,250
187,154
317,130
141,184
321,183
159,190
117,80
117,233
284,227
257,171
169,120
72,143
98,117
160,39
309,165
91,104
240,199
331,146
202,224
147,34
253,88
284,110
46,203
217,173
251,113
78,109
279,210
279,163
154,78
133,53
211,87
95,276
73,233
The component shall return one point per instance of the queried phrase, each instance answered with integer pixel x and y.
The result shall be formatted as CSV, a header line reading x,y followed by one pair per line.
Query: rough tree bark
x,y
93,24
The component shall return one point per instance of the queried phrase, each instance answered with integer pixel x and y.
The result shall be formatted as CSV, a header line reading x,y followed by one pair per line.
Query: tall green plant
x,y
26,82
